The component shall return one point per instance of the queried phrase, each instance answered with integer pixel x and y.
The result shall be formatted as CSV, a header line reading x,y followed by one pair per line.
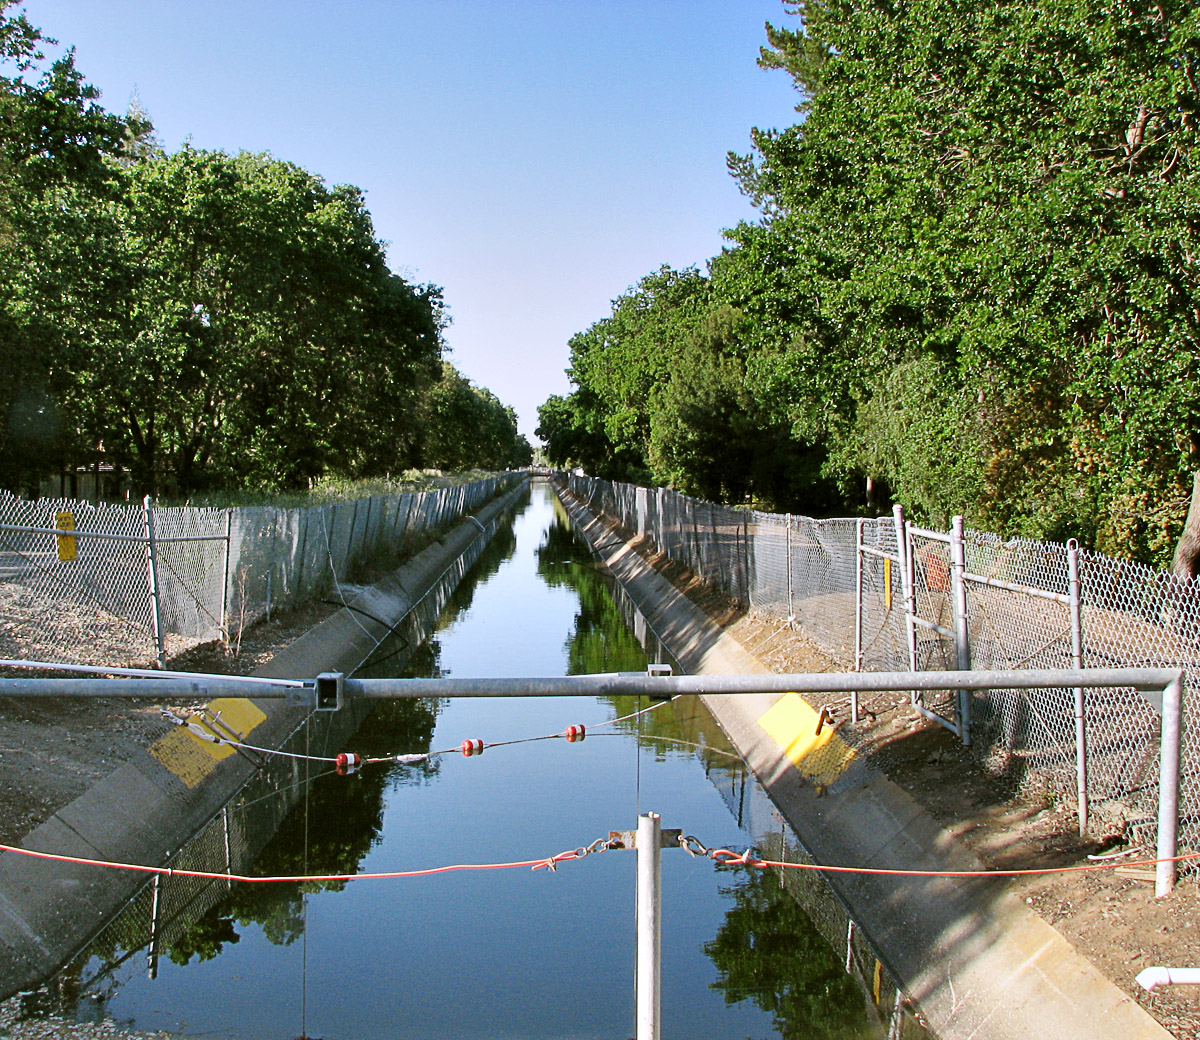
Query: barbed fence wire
x,y
842,583
129,584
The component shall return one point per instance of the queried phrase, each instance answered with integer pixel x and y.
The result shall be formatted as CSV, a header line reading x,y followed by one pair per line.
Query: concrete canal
x,y
506,952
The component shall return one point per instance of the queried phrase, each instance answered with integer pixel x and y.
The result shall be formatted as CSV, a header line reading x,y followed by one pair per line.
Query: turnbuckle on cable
x,y
599,845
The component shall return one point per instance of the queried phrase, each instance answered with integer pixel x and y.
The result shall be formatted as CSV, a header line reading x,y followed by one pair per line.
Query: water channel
x,y
513,952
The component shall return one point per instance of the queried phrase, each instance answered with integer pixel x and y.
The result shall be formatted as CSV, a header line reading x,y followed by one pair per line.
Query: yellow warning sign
x,y
810,742
64,521
190,756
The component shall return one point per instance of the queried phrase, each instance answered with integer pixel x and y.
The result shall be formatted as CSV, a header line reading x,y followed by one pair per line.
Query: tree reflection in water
x,y
600,640
769,951
343,818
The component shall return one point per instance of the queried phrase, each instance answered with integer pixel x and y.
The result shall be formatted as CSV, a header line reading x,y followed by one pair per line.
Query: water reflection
x,y
546,956
600,640
769,951
339,822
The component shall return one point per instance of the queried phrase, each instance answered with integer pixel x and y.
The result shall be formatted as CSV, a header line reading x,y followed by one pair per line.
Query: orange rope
x,y
729,858
533,864
722,857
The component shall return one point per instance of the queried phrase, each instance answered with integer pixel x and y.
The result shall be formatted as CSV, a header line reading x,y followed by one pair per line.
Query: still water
x,y
515,952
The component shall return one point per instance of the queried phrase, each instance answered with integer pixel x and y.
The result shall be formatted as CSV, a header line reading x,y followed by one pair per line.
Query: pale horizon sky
x,y
534,158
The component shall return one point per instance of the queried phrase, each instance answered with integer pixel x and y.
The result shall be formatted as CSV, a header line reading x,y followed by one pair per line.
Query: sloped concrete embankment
x,y
156,801
974,961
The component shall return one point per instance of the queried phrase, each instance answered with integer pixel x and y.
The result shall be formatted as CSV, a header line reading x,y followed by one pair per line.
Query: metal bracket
x,y
659,671
330,688
669,839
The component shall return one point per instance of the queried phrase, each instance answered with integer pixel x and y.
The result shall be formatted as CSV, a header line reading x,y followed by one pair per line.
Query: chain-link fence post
x,y
225,579
858,609
1076,615
907,593
152,575
962,635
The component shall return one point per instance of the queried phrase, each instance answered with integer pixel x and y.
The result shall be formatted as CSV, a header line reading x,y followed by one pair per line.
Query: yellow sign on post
x,y
64,521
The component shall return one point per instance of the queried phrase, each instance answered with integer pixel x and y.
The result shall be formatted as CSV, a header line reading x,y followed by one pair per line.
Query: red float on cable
x,y
348,762
573,733
472,747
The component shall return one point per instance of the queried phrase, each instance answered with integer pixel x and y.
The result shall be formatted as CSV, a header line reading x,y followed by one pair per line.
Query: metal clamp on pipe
x,y
660,671
330,690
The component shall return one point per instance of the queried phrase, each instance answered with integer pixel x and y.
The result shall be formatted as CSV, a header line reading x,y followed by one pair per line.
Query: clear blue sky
x,y
534,158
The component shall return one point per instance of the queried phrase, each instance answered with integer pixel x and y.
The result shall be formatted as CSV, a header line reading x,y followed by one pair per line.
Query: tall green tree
x,y
1003,197
54,139
467,426
235,324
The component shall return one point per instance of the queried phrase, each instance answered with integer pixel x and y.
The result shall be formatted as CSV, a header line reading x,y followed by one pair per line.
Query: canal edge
x,y
150,807
975,961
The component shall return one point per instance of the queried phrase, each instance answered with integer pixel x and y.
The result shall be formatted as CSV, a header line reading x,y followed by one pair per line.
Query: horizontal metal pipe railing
x,y
71,532
1163,687
181,684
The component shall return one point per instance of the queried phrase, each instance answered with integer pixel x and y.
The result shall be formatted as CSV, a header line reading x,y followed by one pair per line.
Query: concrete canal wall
x,y
974,961
152,804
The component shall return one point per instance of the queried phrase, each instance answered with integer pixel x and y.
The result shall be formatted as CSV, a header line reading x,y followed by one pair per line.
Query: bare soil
x,y
52,750
1113,920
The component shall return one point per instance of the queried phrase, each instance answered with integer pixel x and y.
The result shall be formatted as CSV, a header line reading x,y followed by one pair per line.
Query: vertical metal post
x,y
1075,607
788,529
962,636
271,566
649,927
906,587
303,518
225,579
152,573
1168,788
228,846
858,611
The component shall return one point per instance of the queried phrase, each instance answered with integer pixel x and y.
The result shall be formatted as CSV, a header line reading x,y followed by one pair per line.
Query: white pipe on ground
x,y
1151,977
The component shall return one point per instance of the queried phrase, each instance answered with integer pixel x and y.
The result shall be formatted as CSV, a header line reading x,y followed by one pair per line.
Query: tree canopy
x,y
204,320
973,281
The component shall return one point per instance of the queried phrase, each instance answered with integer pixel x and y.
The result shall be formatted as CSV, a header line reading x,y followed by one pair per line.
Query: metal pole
x,y
649,926
858,612
225,579
962,635
906,587
788,528
152,947
1168,787
1149,681
1081,770
228,847
152,569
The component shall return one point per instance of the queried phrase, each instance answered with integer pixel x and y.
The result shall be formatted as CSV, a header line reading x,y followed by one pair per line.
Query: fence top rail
x,y
75,532
1027,590
925,532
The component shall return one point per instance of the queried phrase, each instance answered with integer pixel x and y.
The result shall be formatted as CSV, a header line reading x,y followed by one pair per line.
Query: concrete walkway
x,y
976,962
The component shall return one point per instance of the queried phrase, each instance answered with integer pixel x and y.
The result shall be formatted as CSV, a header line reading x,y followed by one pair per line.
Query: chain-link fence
x,y
874,599
124,585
